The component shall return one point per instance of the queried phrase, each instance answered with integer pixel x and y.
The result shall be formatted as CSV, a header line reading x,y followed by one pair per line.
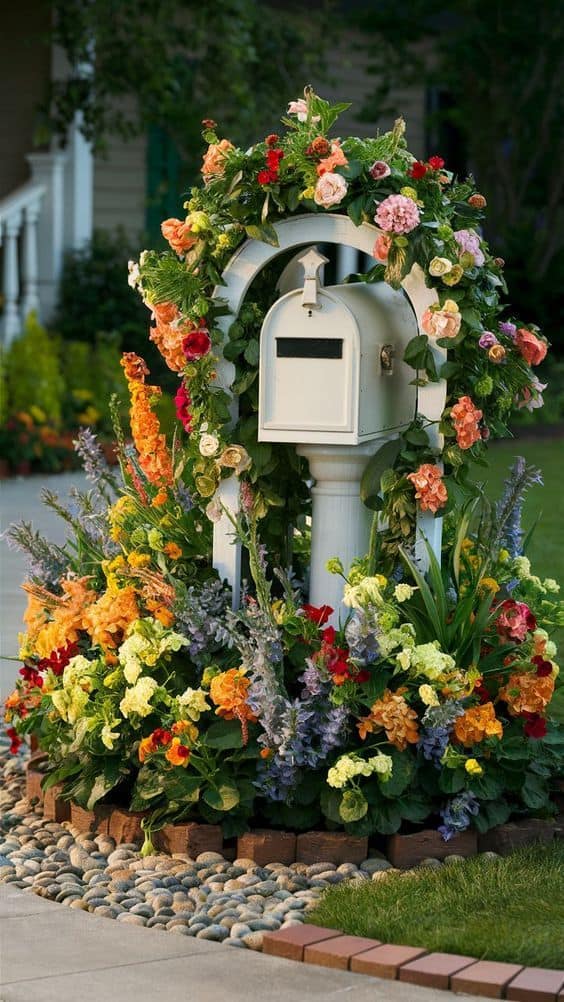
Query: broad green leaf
x,y
371,482
224,734
221,798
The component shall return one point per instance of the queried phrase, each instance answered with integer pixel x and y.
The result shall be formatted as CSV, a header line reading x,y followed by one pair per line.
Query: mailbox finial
x,y
311,262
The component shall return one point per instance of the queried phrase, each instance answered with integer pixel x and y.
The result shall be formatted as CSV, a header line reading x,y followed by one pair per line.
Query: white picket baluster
x,y
30,300
11,278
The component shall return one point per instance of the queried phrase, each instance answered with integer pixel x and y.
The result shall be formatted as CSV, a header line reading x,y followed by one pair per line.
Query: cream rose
x,y
441,323
440,266
209,445
330,190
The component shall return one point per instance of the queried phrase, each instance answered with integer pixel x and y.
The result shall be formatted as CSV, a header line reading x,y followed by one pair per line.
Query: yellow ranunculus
x,y
473,767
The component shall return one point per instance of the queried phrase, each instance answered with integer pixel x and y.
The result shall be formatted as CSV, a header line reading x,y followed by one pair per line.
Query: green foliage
x,y
176,62
33,372
481,49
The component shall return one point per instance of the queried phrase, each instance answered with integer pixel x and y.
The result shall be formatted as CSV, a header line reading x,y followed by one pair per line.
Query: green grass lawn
x,y
509,909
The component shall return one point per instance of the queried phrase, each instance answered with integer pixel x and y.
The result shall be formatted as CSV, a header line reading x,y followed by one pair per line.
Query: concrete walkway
x,y
49,953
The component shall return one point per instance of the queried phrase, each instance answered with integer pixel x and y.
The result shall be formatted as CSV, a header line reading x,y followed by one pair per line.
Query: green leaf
x,y
452,780
221,798
265,233
251,353
416,350
224,734
534,791
386,818
370,485
492,812
355,210
330,801
402,772
353,806
471,317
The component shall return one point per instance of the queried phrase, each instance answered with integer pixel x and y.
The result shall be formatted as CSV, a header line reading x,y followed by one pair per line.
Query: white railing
x,y
19,213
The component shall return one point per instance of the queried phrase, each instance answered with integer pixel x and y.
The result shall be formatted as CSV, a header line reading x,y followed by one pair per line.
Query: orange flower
x,y
178,234
107,619
477,723
214,158
336,158
172,550
164,313
159,498
35,615
168,339
67,614
187,728
154,457
397,718
160,612
229,693
429,488
178,754
465,417
146,747
13,700
527,692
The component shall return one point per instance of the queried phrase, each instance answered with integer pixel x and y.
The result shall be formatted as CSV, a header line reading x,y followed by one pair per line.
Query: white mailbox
x,y
331,362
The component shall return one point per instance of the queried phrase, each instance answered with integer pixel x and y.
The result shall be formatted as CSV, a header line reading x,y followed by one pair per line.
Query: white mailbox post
x,y
331,380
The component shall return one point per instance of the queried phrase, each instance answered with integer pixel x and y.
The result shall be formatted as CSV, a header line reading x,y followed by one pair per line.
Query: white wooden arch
x,y
243,267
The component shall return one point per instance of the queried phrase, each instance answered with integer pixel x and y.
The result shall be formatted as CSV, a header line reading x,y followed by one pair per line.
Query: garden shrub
x,y
33,372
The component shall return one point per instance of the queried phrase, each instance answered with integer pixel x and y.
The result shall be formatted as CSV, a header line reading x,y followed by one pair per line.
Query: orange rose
x,y
164,313
382,248
214,158
532,348
336,158
178,234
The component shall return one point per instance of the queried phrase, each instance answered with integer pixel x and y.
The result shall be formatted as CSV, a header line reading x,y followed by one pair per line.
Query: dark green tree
x,y
496,73
141,63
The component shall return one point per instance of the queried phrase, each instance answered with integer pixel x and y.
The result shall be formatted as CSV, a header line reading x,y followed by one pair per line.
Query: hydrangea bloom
x,y
397,214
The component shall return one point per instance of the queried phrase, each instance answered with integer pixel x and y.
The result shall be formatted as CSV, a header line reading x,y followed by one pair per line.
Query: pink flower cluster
x,y
469,242
429,488
465,417
515,621
397,214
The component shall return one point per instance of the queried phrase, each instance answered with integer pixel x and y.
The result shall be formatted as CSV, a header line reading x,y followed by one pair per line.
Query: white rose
x,y
440,266
330,190
214,511
209,445
402,592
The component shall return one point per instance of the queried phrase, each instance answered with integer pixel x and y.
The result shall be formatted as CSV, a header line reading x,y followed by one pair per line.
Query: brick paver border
x,y
331,948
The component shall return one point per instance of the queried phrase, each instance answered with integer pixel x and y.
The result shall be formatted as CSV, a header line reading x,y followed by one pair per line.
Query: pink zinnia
x,y
397,214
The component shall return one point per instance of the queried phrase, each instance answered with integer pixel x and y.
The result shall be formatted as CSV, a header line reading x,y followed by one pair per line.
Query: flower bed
x,y
430,705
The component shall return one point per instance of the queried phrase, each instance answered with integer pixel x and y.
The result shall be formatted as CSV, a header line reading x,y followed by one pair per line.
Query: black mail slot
x,y
309,347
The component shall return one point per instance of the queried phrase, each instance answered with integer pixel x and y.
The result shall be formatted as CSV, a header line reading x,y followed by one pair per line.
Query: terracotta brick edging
x,y
312,944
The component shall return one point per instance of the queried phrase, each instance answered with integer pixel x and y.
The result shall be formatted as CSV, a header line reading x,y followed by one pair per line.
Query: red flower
x,y
32,675
196,344
329,635
436,163
543,667
317,615
535,725
267,176
15,741
481,692
273,158
515,620
272,139
161,737
417,170
58,659
182,403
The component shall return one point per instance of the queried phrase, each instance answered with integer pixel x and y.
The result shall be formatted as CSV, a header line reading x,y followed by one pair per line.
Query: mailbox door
x,y
309,372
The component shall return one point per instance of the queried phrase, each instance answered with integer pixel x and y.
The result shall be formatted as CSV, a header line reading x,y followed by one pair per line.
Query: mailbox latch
x,y
387,355
312,261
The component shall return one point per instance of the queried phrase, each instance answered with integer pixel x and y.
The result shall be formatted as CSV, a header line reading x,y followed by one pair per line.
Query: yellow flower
x,y
450,306
488,584
408,192
187,729
504,556
138,559
428,695
473,767
117,563
454,275
308,193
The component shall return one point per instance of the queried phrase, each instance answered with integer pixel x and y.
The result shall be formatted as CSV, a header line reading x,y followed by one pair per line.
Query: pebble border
x,y
238,903
311,944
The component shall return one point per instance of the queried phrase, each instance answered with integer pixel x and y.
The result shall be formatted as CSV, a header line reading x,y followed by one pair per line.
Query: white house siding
x,y
120,187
